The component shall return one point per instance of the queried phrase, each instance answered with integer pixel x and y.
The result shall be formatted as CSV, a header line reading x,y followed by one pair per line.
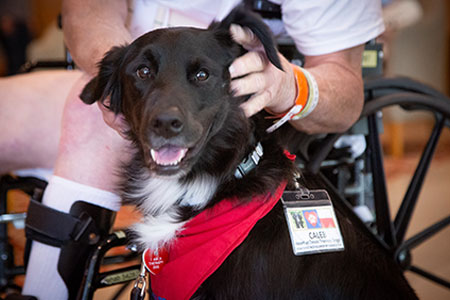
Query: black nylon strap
x,y
52,227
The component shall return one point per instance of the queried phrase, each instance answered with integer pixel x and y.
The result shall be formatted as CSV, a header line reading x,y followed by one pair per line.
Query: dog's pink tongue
x,y
168,155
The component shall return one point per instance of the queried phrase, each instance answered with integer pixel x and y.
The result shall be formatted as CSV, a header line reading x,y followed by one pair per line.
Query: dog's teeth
x,y
168,155
153,154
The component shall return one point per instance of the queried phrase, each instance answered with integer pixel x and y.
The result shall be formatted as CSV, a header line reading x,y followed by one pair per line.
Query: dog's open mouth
x,y
168,155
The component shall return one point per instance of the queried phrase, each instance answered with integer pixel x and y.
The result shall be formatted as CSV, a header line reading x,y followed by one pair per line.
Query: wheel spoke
x,y
429,276
425,234
409,201
383,219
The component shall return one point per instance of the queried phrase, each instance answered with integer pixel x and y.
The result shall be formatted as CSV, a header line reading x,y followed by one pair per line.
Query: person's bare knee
x,y
89,150
31,108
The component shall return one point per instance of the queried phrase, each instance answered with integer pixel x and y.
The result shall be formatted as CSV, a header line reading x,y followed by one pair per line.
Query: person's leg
x,y
89,154
89,151
31,107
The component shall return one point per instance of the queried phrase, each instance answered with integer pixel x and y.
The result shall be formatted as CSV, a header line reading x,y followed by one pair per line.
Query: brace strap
x,y
55,228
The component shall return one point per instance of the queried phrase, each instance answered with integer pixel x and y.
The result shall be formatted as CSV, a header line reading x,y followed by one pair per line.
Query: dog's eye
x,y
143,72
201,75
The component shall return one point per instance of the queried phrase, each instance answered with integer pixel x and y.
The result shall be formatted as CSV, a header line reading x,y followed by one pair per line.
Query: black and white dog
x,y
189,137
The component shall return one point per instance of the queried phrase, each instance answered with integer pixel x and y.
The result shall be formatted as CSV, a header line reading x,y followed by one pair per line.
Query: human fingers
x,y
253,61
250,84
115,121
255,103
272,89
244,36
108,115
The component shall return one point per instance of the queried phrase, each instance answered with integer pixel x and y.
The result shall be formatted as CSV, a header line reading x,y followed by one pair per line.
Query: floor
x,y
433,205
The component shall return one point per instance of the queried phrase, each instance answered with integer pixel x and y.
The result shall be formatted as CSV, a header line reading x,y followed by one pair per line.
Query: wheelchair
x,y
380,94
354,182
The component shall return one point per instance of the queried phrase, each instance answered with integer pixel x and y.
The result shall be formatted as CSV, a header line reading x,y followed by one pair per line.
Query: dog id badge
x,y
312,223
154,260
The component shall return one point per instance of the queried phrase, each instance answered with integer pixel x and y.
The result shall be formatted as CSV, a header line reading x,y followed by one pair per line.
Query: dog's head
x,y
172,88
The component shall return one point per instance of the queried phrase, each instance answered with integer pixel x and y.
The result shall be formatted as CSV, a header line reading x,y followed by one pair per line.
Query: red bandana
x,y
205,243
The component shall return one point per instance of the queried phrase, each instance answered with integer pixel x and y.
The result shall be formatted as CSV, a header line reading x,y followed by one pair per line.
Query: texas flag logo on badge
x,y
312,219
327,222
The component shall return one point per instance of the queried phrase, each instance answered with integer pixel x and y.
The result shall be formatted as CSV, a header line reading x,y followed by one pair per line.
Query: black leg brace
x,y
76,233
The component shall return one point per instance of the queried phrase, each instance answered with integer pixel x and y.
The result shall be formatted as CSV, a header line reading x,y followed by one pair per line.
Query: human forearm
x,y
91,28
340,92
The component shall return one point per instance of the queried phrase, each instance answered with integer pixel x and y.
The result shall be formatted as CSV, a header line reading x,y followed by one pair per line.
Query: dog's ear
x,y
107,82
245,18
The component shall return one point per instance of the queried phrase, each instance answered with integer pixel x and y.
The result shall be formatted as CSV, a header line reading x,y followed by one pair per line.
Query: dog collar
x,y
250,162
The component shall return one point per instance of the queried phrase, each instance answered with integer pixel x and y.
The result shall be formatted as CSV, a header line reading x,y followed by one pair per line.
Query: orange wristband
x,y
302,87
300,100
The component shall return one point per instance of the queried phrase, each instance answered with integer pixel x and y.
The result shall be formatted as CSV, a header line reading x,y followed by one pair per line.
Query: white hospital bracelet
x,y
313,97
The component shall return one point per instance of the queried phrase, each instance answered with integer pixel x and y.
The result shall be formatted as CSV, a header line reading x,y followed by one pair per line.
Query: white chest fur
x,y
163,198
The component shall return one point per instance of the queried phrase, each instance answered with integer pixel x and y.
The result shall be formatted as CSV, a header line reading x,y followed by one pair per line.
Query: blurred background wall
x,y
29,24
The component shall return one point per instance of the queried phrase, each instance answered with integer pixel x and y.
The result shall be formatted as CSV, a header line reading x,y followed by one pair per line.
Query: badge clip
x,y
312,222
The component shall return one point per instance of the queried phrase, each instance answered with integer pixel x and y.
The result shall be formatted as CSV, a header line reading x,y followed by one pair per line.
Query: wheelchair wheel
x,y
409,96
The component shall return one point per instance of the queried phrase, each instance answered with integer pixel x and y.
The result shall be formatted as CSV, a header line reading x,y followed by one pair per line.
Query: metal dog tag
x,y
312,223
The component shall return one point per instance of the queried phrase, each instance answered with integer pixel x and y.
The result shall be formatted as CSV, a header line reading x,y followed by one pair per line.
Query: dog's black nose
x,y
168,123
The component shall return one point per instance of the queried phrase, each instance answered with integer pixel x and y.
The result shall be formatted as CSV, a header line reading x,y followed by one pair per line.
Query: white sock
x,y
42,279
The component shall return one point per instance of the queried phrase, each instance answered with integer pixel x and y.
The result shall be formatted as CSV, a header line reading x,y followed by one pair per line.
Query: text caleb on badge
x,y
318,235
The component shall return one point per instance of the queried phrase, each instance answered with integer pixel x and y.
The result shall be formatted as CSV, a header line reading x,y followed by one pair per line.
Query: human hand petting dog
x,y
252,74
113,120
